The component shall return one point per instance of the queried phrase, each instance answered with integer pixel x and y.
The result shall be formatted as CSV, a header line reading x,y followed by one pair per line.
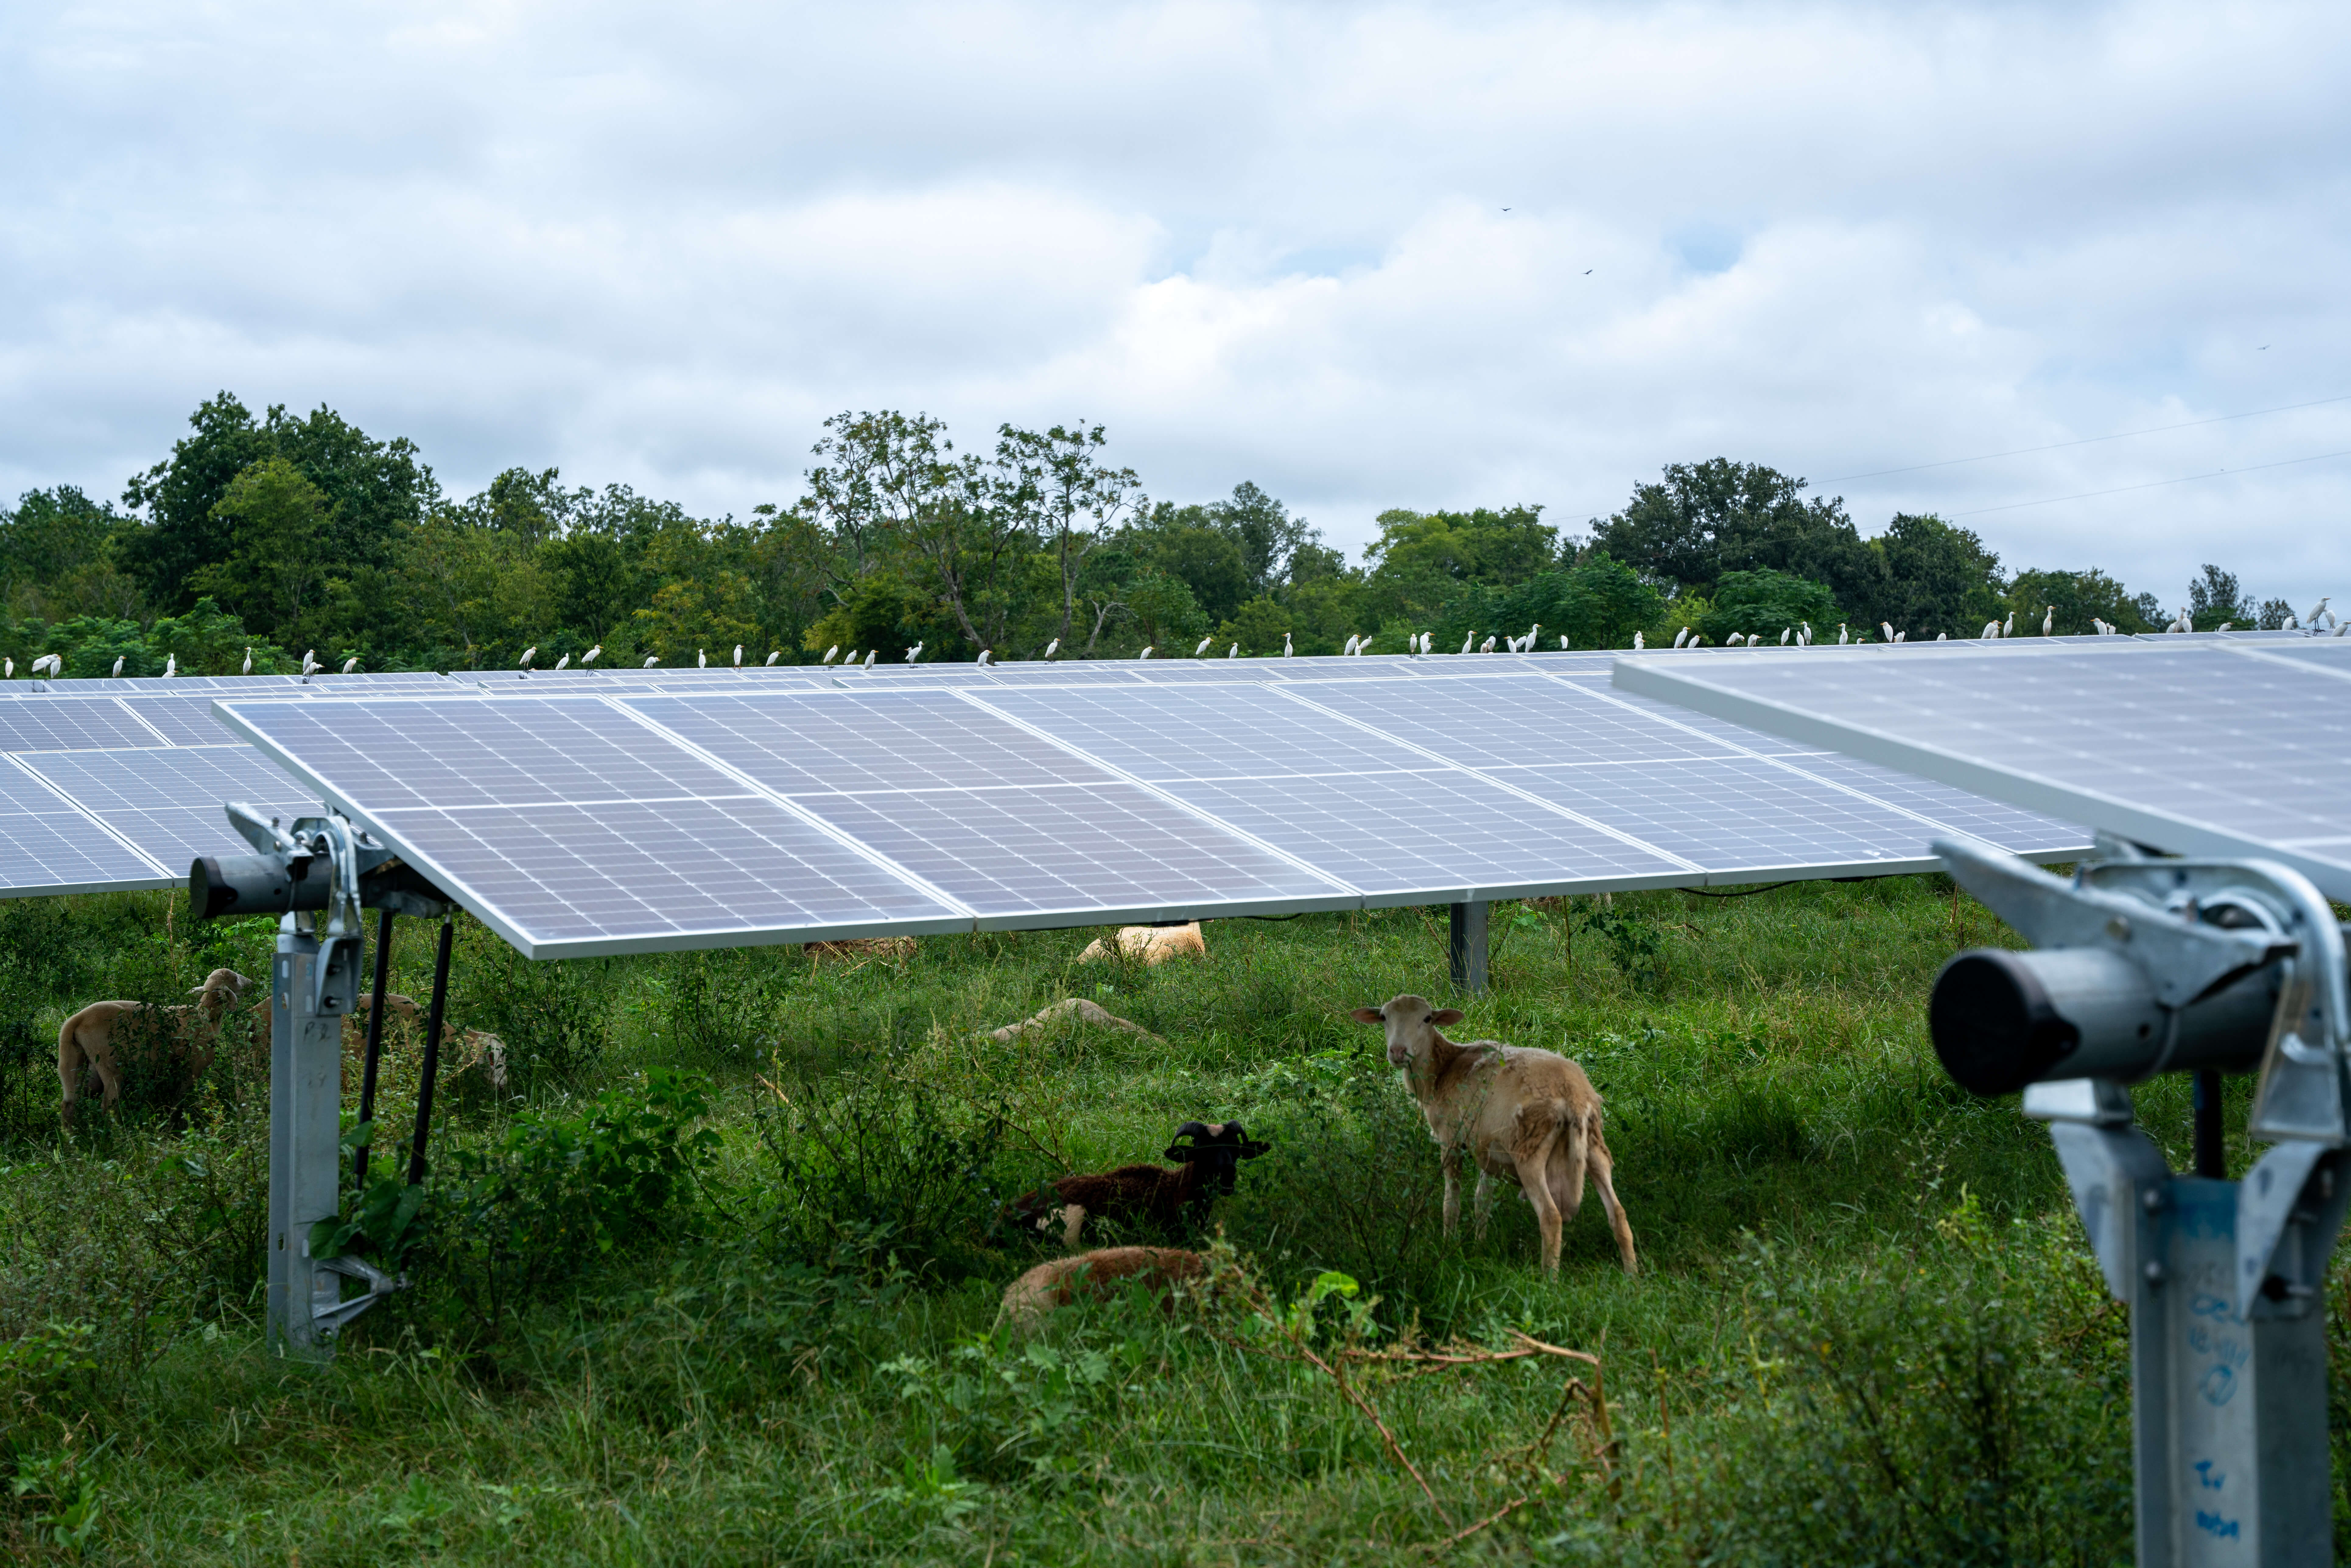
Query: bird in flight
x,y
1587,272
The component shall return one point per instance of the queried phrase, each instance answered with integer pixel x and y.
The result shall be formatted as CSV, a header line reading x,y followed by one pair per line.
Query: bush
x,y
889,1156
1764,603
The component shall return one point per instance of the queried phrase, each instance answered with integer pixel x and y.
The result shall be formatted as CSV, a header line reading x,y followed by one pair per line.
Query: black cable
x,y
1742,893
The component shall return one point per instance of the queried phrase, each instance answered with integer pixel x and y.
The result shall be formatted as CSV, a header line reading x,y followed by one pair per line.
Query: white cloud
x,y
659,245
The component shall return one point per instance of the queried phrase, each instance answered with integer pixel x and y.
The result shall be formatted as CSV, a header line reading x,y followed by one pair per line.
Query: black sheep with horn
x,y
1206,1167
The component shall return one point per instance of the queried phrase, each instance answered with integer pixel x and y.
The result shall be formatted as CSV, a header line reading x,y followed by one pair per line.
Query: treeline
x,y
282,534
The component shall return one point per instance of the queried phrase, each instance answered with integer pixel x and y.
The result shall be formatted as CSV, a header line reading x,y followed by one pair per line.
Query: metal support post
x,y
374,1042
2141,967
1467,946
432,1067
311,988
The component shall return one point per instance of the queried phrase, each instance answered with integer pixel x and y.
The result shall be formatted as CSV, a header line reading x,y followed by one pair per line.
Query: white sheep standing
x,y
1532,1115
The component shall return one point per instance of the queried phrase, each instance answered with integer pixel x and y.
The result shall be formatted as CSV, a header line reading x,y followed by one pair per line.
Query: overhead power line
x,y
2153,484
2091,440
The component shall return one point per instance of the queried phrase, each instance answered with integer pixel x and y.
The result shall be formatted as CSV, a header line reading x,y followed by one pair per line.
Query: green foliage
x,y
1763,603
2075,598
1598,603
1008,1409
508,1220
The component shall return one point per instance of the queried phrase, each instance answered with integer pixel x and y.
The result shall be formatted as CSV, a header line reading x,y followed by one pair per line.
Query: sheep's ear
x,y
1368,1015
1447,1015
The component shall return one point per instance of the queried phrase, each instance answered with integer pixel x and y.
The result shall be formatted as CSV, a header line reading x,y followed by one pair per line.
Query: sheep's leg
x,y
1481,1203
1452,1164
1533,1172
1073,1220
69,1069
1596,1158
1567,1166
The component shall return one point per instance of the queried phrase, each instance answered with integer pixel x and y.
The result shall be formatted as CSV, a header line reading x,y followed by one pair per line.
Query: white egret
x,y
1487,647
309,665
1466,641
562,663
911,654
118,666
1942,636
352,664
1737,638
1563,641
1637,643
651,660
2225,625
1148,649
701,660
1203,648
1350,643
1808,632
1286,650
171,665
528,655
1786,632
589,657
11,664
775,653
1053,647
1234,651
870,654
1681,636
2318,609
248,661
738,655
1887,627
2008,628
1902,636
1842,638
829,654
983,658
2049,623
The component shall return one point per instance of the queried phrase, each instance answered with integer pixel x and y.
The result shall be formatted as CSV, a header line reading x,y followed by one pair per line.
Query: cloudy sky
x,y
1367,257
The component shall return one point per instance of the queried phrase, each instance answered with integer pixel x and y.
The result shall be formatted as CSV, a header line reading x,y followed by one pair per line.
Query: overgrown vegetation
x,y
717,1279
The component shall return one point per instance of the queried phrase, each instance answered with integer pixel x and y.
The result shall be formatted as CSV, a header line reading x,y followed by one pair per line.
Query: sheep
x,y
1208,1166
86,1040
1532,1115
1056,1283
1152,943
464,1048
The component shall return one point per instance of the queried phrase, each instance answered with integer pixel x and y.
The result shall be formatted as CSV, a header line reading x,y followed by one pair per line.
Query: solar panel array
x,y
632,815
2195,747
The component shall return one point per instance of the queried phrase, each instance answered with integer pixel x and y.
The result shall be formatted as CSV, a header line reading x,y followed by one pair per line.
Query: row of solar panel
x,y
585,824
2193,747
166,714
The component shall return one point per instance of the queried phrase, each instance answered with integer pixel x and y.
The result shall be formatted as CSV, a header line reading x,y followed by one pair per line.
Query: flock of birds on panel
x,y
2319,620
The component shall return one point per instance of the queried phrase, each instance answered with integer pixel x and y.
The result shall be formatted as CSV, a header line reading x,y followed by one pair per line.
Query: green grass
x,y
1866,1330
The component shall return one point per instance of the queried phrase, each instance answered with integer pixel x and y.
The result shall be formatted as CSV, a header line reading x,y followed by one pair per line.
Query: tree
x,y
58,557
1075,498
2213,598
374,489
1764,603
1938,579
1599,602
273,570
2075,598
1704,519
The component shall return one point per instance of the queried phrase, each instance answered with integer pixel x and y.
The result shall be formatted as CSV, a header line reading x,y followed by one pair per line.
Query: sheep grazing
x,y
1029,1299
1531,1115
1152,943
463,1049
1208,1166
86,1041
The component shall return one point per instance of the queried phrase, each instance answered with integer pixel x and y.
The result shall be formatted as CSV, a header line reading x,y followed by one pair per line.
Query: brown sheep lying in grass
x,y
1209,1166
1029,1299
86,1041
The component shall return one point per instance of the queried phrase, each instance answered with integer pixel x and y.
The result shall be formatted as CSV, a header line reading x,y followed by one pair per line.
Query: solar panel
x,y
573,829
47,847
181,720
1003,820
71,724
2195,746
167,801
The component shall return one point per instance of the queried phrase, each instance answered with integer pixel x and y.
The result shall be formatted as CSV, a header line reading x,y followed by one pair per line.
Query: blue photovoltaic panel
x,y
1159,734
1001,819
1512,721
70,724
573,828
1375,816
2195,746
47,847
167,801
181,721
2011,828
1734,814
860,742
1430,836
